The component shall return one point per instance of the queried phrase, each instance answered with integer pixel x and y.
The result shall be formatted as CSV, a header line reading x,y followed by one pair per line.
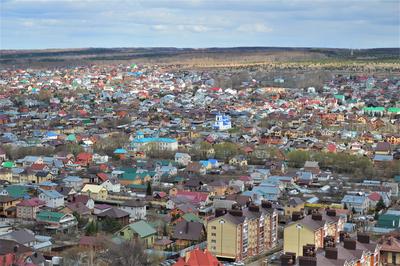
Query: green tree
x,y
91,228
226,150
297,158
149,191
380,205
110,225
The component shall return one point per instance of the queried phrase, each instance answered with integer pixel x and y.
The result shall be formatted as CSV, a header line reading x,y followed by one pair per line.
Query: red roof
x,y
103,177
192,196
199,258
375,196
331,147
37,166
31,202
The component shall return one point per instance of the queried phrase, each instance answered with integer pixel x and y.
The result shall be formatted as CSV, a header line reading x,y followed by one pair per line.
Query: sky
x,y
40,24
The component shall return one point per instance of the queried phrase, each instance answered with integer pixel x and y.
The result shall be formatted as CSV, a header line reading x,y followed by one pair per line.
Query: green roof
x,y
71,137
339,96
142,228
16,191
8,164
395,110
190,217
47,216
374,109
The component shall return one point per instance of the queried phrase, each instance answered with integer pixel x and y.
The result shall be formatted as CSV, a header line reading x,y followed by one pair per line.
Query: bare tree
x,y
128,253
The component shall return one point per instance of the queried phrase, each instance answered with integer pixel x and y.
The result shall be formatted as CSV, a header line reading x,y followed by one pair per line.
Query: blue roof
x,y
47,183
379,157
51,134
149,140
120,151
72,178
52,194
353,199
213,161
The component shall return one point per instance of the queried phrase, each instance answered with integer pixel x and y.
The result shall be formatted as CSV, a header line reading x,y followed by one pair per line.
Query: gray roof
x,y
22,236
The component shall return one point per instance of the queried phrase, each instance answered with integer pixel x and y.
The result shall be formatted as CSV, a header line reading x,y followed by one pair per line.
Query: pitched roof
x,y
185,230
198,258
113,213
142,228
7,247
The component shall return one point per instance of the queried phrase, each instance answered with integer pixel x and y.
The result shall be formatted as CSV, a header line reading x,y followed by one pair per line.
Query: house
x,y
218,187
194,168
112,185
56,220
198,257
188,233
182,158
139,230
27,209
239,161
74,182
136,209
294,204
12,253
8,206
222,122
390,219
383,148
95,192
140,143
360,204
23,237
84,159
52,198
115,214
313,167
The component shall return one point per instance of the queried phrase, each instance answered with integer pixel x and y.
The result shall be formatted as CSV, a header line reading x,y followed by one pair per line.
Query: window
x,y
213,241
213,234
213,227
394,258
121,233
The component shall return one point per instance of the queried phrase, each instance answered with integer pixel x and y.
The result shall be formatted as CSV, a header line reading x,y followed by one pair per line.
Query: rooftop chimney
x,y
343,236
331,253
266,204
363,238
220,212
254,208
329,241
349,244
309,250
316,216
307,261
288,259
236,213
296,216
331,212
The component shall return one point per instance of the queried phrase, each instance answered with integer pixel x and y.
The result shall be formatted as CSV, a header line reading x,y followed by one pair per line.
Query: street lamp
x,y
221,222
299,227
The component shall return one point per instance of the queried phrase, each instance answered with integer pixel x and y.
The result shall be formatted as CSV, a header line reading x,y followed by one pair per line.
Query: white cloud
x,y
255,27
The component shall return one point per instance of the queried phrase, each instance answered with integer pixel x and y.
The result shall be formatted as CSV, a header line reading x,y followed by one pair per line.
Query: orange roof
x,y
199,257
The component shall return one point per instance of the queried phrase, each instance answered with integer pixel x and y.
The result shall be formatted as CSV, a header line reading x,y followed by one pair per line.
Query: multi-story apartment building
x,y
311,230
239,234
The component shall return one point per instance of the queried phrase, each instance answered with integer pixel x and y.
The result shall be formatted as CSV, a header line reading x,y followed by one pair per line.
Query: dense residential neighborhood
x,y
105,161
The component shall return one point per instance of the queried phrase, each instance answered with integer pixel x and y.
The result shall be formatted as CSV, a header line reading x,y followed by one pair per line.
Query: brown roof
x,y
188,230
